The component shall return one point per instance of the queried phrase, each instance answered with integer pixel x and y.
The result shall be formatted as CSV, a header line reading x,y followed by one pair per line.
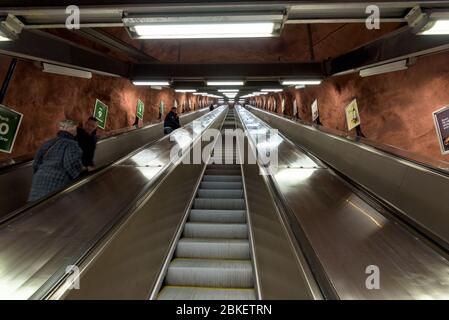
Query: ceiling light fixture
x,y
385,68
185,90
205,26
51,68
272,90
151,83
300,82
225,83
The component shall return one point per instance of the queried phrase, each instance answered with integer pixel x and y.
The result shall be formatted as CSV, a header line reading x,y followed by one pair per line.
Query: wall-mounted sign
x,y
352,115
140,109
295,108
283,105
190,105
175,104
101,113
161,109
315,112
10,121
441,119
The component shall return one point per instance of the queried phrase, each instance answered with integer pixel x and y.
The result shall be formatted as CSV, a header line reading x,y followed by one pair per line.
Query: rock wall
x,y
395,108
45,99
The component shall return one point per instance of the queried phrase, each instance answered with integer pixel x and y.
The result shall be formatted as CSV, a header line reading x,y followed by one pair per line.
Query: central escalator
x,y
212,259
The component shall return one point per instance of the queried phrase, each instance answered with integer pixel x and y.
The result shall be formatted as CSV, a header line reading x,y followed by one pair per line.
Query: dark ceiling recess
x,y
42,46
400,44
103,38
259,71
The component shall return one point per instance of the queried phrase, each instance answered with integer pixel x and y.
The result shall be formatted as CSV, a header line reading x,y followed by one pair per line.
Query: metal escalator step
x,y
218,216
220,194
218,172
216,230
210,273
220,204
201,293
223,167
213,248
221,185
227,178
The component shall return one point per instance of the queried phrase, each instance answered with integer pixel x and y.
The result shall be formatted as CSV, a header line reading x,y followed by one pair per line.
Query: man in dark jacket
x,y
87,141
57,163
171,121
211,108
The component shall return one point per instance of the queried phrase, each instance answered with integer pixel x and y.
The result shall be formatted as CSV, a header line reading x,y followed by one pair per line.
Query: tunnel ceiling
x,y
318,39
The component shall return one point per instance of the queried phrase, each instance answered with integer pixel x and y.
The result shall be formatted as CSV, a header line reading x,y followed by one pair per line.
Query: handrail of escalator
x,y
439,166
26,160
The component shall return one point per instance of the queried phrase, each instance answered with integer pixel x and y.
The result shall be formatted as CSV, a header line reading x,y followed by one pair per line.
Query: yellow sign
x,y
352,115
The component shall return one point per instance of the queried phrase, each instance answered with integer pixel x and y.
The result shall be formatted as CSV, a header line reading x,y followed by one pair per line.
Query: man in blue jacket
x,y
57,163
171,121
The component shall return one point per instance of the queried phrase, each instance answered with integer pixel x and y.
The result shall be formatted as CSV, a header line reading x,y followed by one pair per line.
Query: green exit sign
x,y
101,113
9,127
140,109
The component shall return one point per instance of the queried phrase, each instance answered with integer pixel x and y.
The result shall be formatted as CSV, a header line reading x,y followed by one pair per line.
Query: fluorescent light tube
x,y
205,30
272,90
436,27
185,90
51,68
151,83
300,87
385,68
225,83
200,94
300,82
228,90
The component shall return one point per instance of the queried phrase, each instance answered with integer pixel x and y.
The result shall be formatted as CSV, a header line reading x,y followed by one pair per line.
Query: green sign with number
x,y
140,109
9,127
101,113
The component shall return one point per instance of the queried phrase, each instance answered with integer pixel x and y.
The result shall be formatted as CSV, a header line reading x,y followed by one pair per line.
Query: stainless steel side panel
x,y
128,267
280,273
420,194
349,236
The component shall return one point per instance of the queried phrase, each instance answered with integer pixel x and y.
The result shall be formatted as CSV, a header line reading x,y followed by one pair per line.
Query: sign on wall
x,y
352,115
283,105
161,109
10,121
175,104
441,119
101,113
140,109
295,108
315,112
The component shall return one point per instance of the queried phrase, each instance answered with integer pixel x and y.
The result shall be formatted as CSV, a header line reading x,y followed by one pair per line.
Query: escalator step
x,y
218,216
220,194
198,293
216,230
220,185
213,249
217,172
210,273
223,167
227,178
220,204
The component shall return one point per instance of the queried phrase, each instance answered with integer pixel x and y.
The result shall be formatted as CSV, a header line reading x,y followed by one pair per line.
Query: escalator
x,y
213,258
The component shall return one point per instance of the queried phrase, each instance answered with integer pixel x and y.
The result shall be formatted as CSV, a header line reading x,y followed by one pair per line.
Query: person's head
x,y
173,109
68,126
91,125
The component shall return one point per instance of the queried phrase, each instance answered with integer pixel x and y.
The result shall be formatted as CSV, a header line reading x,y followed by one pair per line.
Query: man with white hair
x,y
57,163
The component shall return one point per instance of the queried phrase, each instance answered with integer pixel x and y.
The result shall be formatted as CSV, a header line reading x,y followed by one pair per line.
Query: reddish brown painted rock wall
x,y
44,99
395,108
